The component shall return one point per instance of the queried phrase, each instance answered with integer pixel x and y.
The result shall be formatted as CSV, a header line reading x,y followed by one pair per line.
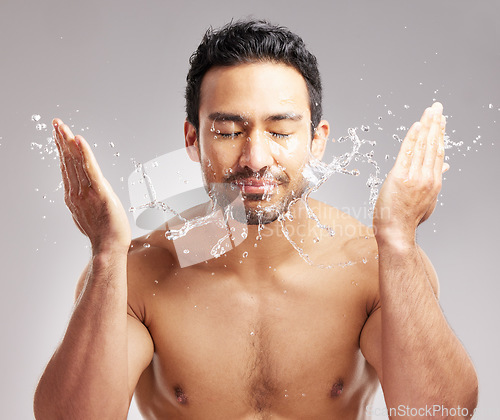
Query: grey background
x,y
117,71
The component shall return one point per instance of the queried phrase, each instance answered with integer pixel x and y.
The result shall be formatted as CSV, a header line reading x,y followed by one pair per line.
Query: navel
x,y
180,396
337,388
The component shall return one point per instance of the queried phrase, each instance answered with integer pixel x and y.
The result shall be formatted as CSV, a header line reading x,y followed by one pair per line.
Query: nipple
x,y
337,389
180,396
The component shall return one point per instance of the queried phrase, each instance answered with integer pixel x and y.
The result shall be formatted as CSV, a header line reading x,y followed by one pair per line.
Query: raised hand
x,y
409,194
96,209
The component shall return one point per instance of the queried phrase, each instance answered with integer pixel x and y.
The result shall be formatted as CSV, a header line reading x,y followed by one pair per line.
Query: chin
x,y
262,217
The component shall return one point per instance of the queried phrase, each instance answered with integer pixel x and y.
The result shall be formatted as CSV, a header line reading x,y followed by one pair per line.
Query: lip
x,y
256,186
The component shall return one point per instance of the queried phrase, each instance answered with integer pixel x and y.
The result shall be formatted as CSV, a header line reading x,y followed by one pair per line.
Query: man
x,y
257,332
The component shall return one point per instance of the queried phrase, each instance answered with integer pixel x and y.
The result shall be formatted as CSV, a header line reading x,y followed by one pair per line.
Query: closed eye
x,y
230,135
279,135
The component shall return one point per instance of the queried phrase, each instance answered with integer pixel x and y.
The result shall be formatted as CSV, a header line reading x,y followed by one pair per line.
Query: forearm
x,y
87,376
423,361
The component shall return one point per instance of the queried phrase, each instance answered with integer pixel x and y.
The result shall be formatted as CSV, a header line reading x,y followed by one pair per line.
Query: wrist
x,y
105,252
394,237
111,247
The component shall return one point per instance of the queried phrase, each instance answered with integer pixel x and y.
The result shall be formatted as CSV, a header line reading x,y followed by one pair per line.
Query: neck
x,y
267,245
261,247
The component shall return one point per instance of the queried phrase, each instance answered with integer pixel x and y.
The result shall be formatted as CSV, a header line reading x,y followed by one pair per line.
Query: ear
x,y
191,141
320,139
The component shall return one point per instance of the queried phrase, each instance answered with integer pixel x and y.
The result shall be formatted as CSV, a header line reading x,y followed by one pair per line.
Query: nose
x,y
256,153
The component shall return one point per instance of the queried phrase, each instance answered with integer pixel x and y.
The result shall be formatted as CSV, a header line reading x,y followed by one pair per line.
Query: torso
x,y
256,342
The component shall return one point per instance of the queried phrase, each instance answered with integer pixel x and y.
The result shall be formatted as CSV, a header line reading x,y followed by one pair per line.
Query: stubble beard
x,y
262,211
263,214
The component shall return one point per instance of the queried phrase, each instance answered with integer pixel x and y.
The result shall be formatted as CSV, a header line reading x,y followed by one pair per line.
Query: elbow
x,y
472,396
467,400
41,405
49,406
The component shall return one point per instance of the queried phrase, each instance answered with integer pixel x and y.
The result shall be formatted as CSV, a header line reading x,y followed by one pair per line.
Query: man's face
x,y
255,136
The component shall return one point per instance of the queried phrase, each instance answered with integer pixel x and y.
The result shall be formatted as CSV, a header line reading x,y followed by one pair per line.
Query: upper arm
x,y
140,351
140,343
370,341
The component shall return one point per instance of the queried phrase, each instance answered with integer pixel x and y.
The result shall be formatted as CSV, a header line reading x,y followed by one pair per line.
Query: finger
x,y
439,165
91,167
79,161
74,148
403,160
61,161
421,144
68,148
433,140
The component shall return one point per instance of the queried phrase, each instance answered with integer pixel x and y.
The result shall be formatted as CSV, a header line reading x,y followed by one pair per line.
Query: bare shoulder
x,y
150,258
353,235
356,244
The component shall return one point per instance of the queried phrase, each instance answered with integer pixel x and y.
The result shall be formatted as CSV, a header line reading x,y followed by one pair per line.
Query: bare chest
x,y
284,346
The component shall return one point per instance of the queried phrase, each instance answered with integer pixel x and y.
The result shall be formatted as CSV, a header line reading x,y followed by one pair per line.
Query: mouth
x,y
256,186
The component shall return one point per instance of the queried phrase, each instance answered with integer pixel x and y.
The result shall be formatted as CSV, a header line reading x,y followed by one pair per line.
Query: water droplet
x,y
146,245
365,128
284,291
111,144
365,260
252,333
316,240
156,281
406,106
245,254
41,126
117,154
490,106
35,117
186,251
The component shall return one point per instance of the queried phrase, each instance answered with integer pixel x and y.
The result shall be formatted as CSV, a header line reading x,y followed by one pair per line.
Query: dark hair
x,y
247,41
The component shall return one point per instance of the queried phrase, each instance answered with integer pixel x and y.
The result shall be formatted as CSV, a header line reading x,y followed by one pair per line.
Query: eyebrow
x,y
226,117
286,116
240,118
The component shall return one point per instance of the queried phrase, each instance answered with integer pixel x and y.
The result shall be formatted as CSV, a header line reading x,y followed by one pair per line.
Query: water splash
x,y
316,172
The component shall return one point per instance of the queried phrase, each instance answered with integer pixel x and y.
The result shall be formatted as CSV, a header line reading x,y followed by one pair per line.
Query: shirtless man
x,y
266,336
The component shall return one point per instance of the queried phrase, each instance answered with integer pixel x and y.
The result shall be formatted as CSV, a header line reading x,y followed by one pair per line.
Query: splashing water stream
x,y
315,172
